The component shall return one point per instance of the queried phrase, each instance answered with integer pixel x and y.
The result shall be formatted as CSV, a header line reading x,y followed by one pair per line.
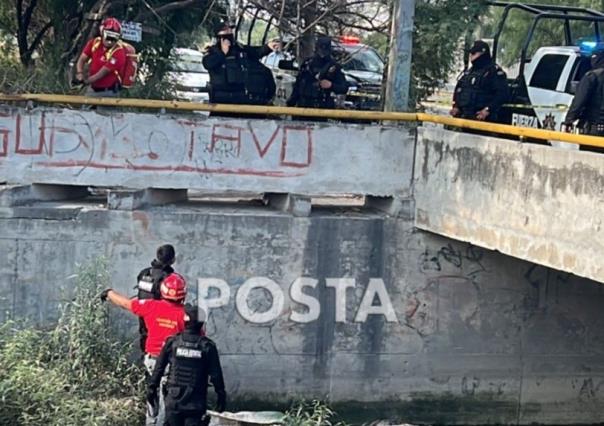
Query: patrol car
x,y
361,64
188,75
545,85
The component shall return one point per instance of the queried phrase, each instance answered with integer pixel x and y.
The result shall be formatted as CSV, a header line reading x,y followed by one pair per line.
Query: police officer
x,y
587,107
163,318
149,280
482,89
228,62
193,358
319,77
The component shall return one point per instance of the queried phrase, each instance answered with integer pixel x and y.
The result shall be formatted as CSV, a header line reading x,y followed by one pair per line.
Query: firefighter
x,y
319,77
587,108
228,63
193,358
106,60
149,280
163,318
482,89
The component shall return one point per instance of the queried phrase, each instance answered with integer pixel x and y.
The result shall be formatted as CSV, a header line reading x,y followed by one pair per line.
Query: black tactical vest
x,y
594,112
187,366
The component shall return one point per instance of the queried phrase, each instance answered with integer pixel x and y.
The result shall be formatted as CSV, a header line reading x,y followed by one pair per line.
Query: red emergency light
x,y
348,39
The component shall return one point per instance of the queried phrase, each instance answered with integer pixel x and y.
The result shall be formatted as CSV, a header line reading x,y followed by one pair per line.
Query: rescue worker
x,y
482,89
193,358
163,318
228,64
587,107
319,77
106,60
149,280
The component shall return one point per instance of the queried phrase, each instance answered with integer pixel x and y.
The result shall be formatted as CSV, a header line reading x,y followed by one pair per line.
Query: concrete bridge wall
x,y
477,338
533,202
136,150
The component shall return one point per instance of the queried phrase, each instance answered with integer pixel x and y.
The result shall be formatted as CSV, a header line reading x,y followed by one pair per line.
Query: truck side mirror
x,y
288,65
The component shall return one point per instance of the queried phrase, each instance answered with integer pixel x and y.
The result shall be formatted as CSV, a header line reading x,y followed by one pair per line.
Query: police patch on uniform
x,y
188,353
145,286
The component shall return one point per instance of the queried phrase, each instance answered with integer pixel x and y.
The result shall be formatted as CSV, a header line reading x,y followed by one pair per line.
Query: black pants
x,y
184,418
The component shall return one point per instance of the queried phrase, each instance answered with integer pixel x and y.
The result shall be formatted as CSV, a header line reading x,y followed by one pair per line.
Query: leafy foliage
x,y
312,413
72,374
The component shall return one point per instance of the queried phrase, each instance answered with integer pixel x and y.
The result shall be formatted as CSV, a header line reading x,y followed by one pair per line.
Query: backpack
x,y
126,77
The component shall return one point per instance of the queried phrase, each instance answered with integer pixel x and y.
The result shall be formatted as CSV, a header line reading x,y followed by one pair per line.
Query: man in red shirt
x,y
106,60
163,318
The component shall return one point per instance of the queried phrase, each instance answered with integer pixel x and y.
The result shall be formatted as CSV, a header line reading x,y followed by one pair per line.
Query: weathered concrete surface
x,y
195,152
530,201
481,338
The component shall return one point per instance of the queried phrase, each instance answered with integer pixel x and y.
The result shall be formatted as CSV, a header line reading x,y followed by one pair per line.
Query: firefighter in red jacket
x,y
163,318
106,60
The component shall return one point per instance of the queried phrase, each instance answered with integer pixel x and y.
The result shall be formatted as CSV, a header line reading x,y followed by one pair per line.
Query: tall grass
x,y
74,373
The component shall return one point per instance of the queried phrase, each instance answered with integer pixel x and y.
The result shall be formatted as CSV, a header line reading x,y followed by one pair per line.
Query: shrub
x,y
74,373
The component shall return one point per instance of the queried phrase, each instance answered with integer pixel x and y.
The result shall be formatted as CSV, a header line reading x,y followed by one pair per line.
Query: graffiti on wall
x,y
158,144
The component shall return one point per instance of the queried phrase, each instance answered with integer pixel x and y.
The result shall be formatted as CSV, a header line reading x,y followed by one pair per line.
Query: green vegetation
x,y
311,413
73,373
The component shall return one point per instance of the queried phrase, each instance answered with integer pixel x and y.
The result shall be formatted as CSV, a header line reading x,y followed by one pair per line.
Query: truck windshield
x,y
361,59
187,63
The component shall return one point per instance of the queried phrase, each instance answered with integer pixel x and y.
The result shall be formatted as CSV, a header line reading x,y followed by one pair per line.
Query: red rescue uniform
x,y
113,59
162,318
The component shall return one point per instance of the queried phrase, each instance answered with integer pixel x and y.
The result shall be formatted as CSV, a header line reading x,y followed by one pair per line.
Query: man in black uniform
x,y
149,280
319,77
482,89
228,64
193,358
588,104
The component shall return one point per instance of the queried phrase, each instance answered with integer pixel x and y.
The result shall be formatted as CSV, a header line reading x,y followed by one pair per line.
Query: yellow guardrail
x,y
523,132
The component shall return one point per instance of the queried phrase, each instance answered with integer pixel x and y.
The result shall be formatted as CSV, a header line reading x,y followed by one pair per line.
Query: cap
x,y
480,46
223,26
195,313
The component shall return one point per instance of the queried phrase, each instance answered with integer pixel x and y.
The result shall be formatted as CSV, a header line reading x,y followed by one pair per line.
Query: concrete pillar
x,y
295,204
399,59
134,200
11,196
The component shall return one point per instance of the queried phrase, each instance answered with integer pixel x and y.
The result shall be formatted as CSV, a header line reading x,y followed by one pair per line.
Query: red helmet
x,y
173,287
111,24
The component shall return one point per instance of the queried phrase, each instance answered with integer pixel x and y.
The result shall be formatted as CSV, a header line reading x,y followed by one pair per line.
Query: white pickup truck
x,y
551,78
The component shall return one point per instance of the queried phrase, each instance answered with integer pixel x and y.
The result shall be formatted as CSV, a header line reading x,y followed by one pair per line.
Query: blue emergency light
x,y
590,47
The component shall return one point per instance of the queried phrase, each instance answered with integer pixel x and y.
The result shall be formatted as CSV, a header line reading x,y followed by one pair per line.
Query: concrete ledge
x,y
297,205
392,206
134,200
25,194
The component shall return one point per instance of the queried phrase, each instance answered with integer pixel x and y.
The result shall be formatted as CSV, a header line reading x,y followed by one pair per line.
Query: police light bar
x,y
350,39
589,47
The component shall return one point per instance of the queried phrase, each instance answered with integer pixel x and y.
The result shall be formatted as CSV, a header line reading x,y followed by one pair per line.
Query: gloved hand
x,y
104,294
152,401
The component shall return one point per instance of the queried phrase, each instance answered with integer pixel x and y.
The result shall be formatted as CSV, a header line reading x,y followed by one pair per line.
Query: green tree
x,y
48,35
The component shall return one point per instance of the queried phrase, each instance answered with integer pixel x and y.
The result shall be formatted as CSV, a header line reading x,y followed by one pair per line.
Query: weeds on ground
x,y
74,373
310,413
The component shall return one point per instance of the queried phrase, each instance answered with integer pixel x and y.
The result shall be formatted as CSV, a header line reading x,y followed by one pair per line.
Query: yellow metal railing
x,y
523,132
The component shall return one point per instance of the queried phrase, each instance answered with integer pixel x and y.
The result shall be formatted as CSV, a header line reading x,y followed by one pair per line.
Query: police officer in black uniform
x,y
149,280
193,358
236,75
319,77
482,89
587,107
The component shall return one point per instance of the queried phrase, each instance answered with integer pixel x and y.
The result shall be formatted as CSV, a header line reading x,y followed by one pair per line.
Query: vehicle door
x,y
548,76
